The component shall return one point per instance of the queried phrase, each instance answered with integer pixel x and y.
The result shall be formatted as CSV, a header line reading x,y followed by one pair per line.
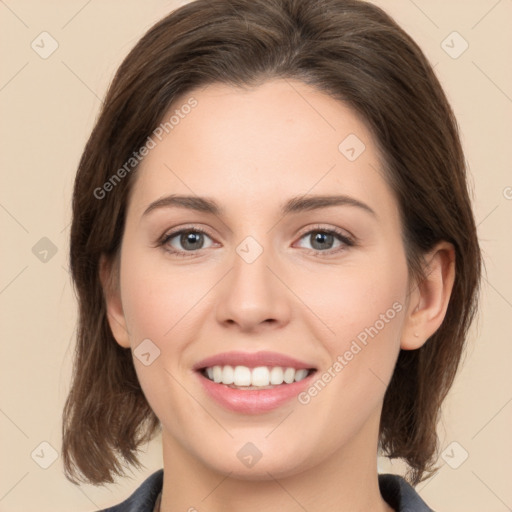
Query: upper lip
x,y
252,360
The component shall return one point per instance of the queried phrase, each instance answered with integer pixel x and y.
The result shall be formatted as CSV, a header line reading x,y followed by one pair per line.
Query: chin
x,y
277,465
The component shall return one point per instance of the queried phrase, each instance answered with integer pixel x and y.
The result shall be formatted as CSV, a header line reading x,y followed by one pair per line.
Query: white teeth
x,y
228,375
300,374
289,375
242,376
217,374
261,376
276,376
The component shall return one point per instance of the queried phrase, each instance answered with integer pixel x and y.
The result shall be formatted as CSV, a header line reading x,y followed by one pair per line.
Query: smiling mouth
x,y
258,378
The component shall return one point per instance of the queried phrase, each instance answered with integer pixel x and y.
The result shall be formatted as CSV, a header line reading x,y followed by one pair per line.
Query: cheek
x,y
364,309
157,303
363,306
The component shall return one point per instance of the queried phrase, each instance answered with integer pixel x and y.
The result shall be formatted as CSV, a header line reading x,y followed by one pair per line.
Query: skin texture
x,y
250,151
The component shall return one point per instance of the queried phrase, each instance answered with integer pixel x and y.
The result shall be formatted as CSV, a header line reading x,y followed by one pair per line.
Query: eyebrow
x,y
293,205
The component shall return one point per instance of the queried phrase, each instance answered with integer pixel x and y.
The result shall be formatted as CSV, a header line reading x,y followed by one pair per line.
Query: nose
x,y
254,296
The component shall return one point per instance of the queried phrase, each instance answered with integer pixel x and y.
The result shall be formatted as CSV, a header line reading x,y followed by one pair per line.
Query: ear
x,y
109,277
429,298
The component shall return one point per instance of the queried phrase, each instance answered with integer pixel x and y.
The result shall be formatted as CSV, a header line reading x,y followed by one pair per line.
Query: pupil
x,y
189,239
321,238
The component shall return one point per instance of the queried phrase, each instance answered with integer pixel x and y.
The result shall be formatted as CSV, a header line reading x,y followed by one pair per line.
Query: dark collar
x,y
398,493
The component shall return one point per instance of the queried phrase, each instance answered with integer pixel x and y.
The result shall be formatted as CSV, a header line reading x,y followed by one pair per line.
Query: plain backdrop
x,y
49,103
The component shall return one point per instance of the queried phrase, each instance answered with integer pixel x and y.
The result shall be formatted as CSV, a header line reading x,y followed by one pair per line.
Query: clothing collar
x,y
397,492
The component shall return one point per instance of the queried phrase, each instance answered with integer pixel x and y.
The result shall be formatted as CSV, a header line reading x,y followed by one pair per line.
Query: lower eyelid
x,y
346,241
168,237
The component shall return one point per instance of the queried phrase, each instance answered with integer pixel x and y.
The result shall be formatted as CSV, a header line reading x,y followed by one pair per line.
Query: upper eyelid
x,y
335,230
175,232
317,227
340,232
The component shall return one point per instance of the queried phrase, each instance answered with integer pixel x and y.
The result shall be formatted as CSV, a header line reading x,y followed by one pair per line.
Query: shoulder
x,y
401,495
144,498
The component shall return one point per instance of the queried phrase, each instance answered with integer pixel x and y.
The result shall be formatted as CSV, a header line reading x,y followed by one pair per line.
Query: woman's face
x,y
275,270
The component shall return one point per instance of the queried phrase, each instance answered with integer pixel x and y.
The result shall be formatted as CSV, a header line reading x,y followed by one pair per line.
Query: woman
x,y
276,262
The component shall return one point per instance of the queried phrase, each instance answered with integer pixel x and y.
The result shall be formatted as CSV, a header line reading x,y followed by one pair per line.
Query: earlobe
x,y
430,298
108,270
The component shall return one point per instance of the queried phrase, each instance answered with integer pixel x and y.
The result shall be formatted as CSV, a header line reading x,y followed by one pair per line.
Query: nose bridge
x,y
251,264
252,293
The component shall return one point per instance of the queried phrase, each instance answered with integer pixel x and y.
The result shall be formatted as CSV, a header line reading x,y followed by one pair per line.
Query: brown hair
x,y
352,51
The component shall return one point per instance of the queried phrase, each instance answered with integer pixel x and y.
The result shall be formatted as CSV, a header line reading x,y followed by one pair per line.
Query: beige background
x,y
48,107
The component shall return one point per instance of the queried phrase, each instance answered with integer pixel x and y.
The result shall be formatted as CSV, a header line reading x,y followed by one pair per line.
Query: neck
x,y
346,480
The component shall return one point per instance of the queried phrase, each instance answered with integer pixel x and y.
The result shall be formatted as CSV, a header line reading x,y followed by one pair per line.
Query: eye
x,y
188,241
323,239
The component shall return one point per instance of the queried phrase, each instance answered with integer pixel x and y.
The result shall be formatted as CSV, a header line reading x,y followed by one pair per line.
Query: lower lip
x,y
253,401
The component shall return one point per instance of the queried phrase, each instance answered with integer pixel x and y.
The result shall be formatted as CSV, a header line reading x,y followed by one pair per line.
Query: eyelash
x,y
347,241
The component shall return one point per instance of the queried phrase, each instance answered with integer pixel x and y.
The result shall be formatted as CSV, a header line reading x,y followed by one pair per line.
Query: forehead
x,y
276,140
